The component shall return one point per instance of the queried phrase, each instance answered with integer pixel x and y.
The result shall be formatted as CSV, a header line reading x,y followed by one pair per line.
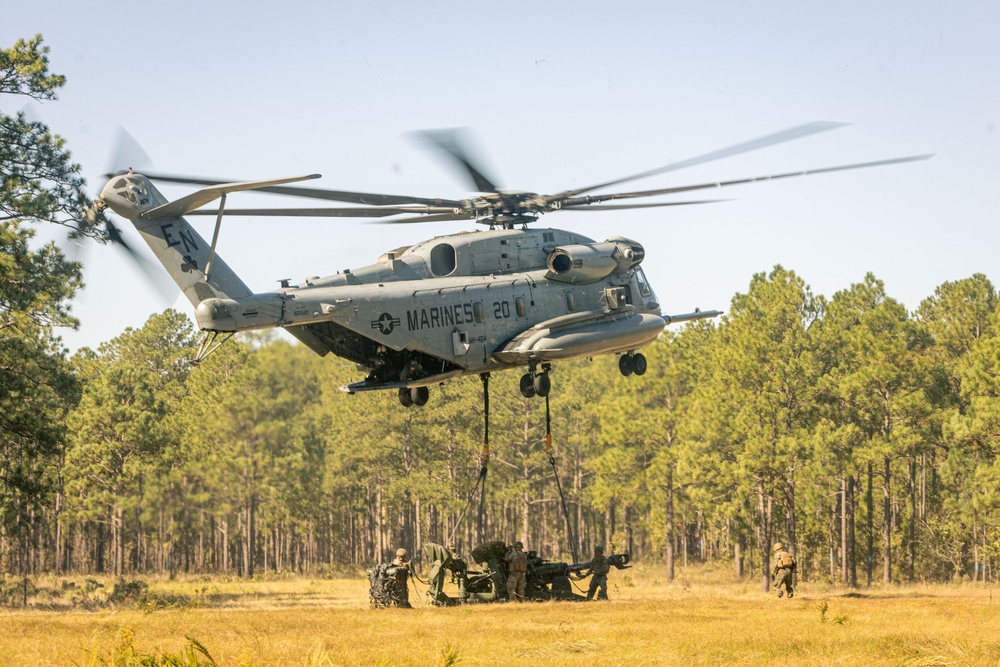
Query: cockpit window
x,y
643,285
442,259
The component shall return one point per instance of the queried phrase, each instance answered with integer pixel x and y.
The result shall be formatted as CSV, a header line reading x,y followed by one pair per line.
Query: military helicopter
x,y
507,297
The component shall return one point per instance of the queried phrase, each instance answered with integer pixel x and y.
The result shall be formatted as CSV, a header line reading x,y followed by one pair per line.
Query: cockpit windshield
x,y
643,283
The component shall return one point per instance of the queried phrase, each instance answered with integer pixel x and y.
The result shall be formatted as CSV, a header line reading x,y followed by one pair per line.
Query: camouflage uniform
x,y
387,586
517,571
400,571
784,567
599,567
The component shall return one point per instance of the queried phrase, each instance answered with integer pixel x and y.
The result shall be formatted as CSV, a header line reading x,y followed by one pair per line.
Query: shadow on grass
x,y
856,595
912,595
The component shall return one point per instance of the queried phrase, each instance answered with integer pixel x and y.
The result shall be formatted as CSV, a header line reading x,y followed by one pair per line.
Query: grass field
x,y
699,620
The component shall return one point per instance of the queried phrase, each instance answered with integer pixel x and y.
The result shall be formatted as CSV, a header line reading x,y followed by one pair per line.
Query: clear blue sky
x,y
559,94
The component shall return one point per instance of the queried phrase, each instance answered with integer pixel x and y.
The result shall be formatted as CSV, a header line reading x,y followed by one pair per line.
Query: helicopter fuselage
x,y
466,303
454,305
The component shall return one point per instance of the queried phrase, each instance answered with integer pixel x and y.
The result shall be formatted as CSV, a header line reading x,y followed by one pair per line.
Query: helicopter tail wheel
x,y
527,385
626,364
639,363
405,398
542,384
419,395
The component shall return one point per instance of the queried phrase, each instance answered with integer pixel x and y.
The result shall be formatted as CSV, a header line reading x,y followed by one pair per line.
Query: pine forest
x,y
862,435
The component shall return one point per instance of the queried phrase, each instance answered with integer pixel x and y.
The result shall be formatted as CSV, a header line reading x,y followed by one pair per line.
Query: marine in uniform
x,y
599,567
411,371
517,572
784,567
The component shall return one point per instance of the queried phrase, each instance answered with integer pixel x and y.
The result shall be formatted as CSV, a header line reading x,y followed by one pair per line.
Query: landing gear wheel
x,y
626,365
527,386
542,384
639,362
404,397
419,395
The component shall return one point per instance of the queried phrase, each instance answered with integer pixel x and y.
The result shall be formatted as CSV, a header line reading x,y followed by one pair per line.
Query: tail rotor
x,y
97,225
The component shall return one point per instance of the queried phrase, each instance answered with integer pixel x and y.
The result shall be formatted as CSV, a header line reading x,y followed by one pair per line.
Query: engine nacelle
x,y
589,262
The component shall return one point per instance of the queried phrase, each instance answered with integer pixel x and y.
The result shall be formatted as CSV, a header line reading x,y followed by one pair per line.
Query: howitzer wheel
x,y
562,589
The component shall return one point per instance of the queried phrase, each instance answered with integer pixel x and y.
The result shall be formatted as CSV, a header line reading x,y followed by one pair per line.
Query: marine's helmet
x,y
518,545
401,553
599,549
778,546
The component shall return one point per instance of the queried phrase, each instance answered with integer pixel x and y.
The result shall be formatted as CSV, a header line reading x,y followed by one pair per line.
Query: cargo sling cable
x,y
486,456
555,473
485,377
485,459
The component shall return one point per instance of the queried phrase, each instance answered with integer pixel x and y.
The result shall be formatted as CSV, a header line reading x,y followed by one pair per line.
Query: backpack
x,y
786,560
379,587
387,586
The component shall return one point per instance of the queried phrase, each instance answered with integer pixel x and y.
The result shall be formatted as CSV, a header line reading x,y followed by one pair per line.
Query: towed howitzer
x,y
473,585
545,580
548,580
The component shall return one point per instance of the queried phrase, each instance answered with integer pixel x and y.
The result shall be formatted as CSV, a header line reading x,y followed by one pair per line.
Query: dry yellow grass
x,y
695,621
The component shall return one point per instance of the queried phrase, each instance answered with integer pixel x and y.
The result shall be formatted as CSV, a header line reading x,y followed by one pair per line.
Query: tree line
x,y
862,435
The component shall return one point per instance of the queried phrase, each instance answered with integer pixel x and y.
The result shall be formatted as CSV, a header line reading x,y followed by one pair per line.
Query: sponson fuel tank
x,y
589,262
581,334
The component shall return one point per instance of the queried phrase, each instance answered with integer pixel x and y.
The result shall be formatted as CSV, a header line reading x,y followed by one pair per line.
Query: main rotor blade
x,y
622,207
593,199
365,198
449,142
756,144
444,217
199,198
380,212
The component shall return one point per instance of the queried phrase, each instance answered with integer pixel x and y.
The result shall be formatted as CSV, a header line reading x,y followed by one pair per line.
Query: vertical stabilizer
x,y
176,244
185,255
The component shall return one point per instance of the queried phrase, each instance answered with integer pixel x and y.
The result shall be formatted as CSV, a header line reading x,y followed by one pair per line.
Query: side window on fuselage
x,y
442,259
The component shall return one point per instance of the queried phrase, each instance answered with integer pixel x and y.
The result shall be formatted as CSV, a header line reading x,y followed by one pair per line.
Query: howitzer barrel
x,y
620,561
548,571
